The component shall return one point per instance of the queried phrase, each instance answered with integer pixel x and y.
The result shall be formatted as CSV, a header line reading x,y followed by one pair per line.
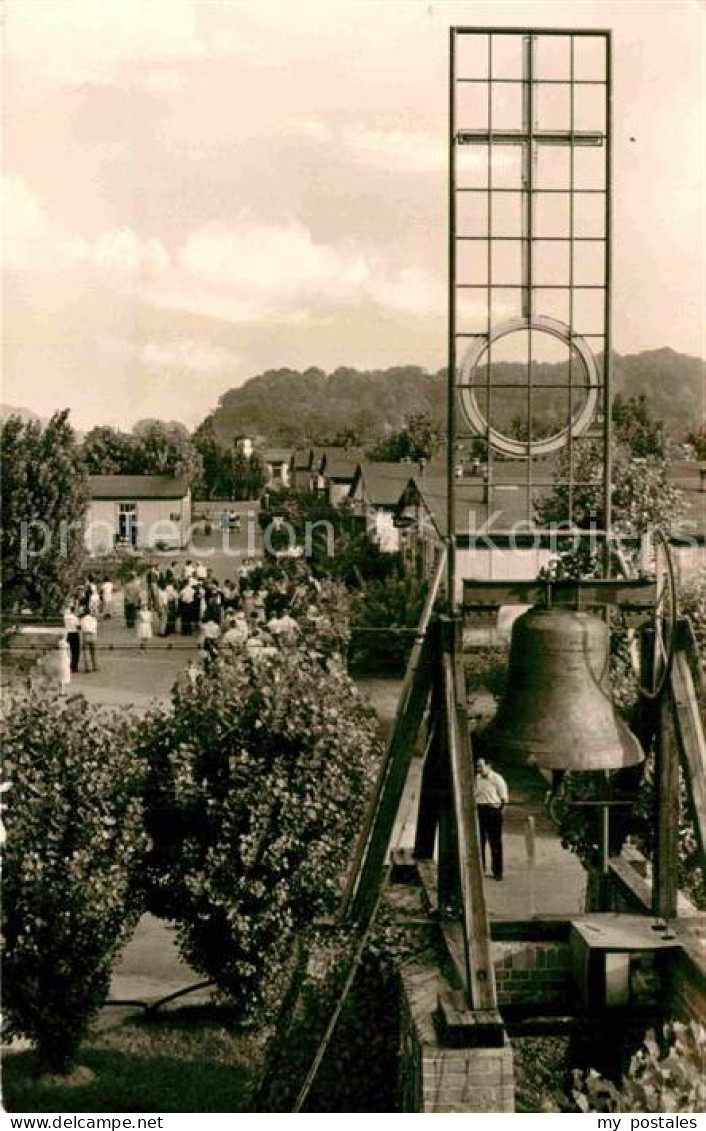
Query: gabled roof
x,y
382,484
477,509
323,457
277,455
129,487
340,468
690,478
302,458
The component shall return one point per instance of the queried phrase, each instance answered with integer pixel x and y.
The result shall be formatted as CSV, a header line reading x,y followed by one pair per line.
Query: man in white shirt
x,y
89,634
72,626
237,631
491,798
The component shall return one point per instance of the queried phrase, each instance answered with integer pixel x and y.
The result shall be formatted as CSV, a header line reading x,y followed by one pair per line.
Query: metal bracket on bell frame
x,y
634,597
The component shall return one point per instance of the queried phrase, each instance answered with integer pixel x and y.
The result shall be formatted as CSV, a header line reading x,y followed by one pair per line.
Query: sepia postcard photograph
x,y
353,640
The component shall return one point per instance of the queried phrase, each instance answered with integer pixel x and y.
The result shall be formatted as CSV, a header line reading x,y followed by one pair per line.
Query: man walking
x,y
72,627
491,798
89,634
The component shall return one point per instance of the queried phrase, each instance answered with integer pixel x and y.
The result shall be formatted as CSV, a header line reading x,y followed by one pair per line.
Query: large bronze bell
x,y
557,709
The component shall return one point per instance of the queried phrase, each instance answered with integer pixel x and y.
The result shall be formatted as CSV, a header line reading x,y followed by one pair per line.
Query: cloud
x,y
36,241
396,151
78,41
411,290
278,261
249,271
310,129
255,271
123,252
409,151
193,356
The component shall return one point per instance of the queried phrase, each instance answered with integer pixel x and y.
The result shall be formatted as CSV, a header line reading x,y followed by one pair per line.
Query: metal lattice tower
x,y
529,261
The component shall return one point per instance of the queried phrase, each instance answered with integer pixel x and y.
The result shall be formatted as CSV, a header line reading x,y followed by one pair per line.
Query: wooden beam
x,y
691,742
366,875
367,869
432,786
666,852
632,595
480,973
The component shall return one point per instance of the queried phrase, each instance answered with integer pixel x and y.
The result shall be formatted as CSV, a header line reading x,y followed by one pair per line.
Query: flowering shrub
x,y
393,604
256,784
658,1080
73,852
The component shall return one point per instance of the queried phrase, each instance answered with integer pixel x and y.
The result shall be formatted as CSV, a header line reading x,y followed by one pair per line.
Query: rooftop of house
x,y
690,478
301,459
381,484
129,487
477,509
277,455
341,467
324,455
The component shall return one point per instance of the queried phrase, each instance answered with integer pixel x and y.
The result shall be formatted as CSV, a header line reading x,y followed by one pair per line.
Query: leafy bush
x,y
664,1079
44,502
256,785
73,854
394,603
486,668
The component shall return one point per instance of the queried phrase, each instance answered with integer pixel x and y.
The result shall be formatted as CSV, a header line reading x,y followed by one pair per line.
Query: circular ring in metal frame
x,y
505,444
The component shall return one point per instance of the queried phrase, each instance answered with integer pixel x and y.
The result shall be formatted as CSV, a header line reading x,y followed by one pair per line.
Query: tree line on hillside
x,y
359,407
46,468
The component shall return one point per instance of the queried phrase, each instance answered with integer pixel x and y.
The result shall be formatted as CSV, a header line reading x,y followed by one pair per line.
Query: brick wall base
x,y
434,1078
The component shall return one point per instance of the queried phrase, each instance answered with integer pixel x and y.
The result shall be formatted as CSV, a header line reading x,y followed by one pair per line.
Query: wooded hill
x,y
291,407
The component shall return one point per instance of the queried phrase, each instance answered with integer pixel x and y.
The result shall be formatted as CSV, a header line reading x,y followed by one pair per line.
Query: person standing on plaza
x,y
171,601
491,798
72,627
93,599
89,636
152,583
186,608
64,665
144,625
107,598
132,600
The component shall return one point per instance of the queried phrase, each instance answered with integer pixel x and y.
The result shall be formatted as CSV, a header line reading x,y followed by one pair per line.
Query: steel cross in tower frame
x,y
539,92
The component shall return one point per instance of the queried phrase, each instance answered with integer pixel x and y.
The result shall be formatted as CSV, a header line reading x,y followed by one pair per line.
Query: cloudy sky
x,y
196,190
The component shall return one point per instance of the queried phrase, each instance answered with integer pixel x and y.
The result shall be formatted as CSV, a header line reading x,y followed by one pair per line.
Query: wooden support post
x,y
646,713
690,737
450,893
666,852
480,973
432,784
366,875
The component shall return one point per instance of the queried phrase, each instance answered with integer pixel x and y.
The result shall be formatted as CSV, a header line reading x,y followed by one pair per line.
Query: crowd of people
x,y
185,598
261,609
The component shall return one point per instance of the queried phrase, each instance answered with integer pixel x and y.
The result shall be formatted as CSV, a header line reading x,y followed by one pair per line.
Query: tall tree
x,y
697,439
166,449
643,498
636,428
44,504
420,438
106,451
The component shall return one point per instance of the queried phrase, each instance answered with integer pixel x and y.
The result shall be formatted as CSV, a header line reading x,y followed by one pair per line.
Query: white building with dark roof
x,y
277,464
134,511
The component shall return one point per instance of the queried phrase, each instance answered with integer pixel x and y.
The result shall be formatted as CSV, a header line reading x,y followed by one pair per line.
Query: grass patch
x,y
193,1059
